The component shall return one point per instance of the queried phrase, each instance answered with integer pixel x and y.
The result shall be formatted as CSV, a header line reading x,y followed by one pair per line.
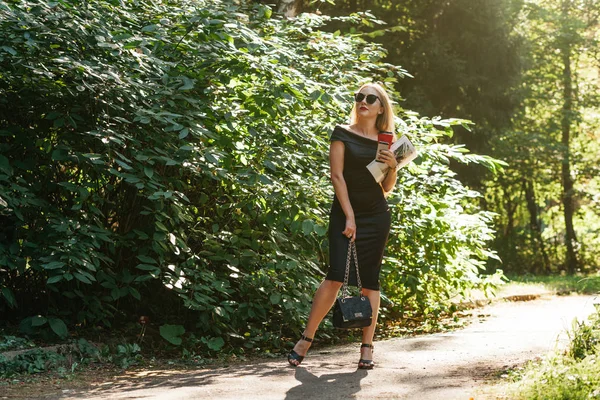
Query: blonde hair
x,y
384,121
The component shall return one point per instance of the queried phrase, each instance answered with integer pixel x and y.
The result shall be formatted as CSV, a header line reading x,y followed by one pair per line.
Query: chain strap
x,y
351,253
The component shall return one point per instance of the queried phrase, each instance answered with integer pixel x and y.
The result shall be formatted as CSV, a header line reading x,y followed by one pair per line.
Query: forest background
x,y
166,162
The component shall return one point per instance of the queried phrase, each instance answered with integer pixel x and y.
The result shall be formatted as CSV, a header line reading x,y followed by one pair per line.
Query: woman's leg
x,y
366,353
322,303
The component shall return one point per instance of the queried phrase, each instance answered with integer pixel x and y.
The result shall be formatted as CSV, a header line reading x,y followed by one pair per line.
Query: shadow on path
x,y
446,366
143,382
339,385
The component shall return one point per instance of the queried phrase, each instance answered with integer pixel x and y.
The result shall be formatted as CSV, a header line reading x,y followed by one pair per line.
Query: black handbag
x,y
352,311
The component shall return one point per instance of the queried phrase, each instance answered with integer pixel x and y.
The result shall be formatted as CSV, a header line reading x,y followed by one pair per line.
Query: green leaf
x,y
149,28
25,326
307,227
172,333
59,327
38,320
53,115
160,226
146,267
82,278
59,155
10,50
115,293
5,165
216,343
149,172
183,133
59,122
275,298
134,292
187,84
146,259
9,297
320,230
54,279
124,165
53,265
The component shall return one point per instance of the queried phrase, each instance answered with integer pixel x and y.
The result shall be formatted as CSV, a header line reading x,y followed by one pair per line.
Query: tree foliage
x,y
463,56
502,65
171,159
534,191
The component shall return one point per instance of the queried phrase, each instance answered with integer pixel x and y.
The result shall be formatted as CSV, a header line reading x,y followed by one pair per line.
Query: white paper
x,y
404,151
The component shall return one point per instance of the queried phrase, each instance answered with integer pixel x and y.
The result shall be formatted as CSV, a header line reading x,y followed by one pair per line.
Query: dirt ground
x,y
455,365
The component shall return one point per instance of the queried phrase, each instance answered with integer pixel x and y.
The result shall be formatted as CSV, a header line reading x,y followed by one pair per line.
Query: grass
x,y
529,287
556,378
560,284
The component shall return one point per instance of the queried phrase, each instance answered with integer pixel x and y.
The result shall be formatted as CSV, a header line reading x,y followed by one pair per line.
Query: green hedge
x,y
170,158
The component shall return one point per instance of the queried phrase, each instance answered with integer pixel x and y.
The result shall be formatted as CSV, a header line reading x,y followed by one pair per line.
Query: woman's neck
x,y
366,128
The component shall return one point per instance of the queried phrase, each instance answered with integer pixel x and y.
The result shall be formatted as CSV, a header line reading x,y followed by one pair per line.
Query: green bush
x,y
10,343
561,379
172,161
31,362
68,358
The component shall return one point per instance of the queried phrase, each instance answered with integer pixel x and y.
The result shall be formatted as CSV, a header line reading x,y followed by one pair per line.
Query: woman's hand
x,y
388,157
350,231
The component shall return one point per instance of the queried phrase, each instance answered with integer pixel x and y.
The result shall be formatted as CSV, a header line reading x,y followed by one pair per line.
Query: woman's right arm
x,y
336,163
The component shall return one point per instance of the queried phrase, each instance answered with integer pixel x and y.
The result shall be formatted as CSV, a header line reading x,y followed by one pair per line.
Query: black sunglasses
x,y
371,98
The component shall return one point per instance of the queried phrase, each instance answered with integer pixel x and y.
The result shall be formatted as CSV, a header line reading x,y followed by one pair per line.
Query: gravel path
x,y
441,366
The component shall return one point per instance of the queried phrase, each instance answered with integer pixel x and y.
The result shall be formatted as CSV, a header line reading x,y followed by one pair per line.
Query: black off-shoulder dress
x,y
371,213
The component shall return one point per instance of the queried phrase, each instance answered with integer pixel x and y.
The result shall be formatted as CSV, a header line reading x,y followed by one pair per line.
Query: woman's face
x,y
362,99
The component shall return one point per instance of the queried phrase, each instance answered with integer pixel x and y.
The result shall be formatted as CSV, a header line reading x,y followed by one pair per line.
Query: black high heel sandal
x,y
366,364
293,356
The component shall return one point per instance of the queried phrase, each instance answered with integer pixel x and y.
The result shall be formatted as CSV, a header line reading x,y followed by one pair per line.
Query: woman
x,y
359,213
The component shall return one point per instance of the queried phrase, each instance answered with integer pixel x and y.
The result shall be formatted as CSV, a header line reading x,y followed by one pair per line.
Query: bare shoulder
x,y
336,150
337,144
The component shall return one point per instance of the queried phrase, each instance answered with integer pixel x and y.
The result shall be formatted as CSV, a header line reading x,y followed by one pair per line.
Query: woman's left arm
x,y
389,158
390,180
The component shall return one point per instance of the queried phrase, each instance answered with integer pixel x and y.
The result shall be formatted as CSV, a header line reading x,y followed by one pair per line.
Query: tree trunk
x,y
510,206
512,259
534,225
567,112
289,8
